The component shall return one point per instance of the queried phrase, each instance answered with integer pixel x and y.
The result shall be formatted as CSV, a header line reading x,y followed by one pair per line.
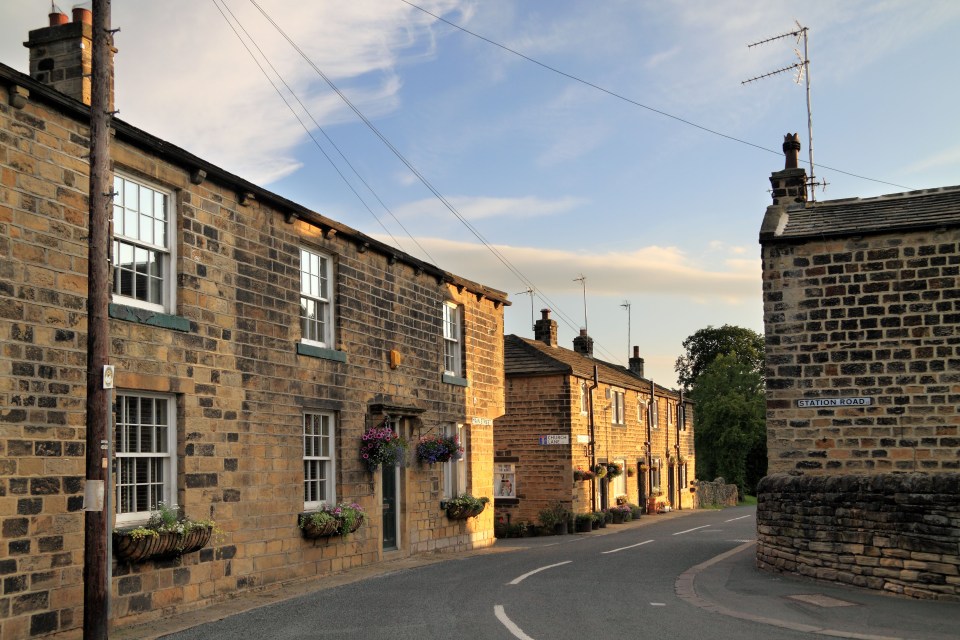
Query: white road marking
x,y
639,544
658,604
740,518
689,530
530,573
508,623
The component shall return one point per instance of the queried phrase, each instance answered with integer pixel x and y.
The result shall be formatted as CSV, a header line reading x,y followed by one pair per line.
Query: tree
x,y
730,433
705,345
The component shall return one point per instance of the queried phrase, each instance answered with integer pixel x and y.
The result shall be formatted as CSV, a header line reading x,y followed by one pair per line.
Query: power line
x,y
635,103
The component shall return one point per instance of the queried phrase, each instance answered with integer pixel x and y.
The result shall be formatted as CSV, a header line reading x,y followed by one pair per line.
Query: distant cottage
x,y
862,317
255,343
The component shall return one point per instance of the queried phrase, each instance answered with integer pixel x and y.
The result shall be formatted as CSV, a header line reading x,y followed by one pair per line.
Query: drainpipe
x,y
679,488
653,400
593,443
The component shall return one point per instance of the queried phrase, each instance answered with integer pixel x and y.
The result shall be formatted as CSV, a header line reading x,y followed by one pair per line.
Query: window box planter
x,y
130,546
464,506
331,520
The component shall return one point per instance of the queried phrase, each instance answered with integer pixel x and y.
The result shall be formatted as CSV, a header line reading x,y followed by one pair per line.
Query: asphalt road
x,y
577,586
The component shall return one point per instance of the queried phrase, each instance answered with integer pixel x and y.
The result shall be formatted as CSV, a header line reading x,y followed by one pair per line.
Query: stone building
x,y
243,326
567,411
862,318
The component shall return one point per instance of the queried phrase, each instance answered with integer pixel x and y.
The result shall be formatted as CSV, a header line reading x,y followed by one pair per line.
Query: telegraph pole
x,y
96,519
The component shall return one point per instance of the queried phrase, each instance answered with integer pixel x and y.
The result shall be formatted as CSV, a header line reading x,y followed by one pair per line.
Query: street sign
x,y
863,401
555,439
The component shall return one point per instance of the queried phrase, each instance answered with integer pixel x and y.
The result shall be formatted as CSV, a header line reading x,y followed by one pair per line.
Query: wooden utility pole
x,y
95,587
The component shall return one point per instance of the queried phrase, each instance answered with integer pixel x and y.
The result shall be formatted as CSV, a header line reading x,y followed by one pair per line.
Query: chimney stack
x,y
61,54
583,344
636,362
790,185
545,329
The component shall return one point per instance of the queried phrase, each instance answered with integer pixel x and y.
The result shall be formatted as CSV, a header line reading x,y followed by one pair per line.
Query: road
x,y
575,587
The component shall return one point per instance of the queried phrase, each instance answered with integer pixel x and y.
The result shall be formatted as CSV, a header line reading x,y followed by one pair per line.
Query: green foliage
x,y
166,519
704,346
730,426
553,515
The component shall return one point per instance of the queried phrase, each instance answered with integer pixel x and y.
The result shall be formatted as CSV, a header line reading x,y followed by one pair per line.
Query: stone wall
x,y
875,317
229,356
717,494
892,532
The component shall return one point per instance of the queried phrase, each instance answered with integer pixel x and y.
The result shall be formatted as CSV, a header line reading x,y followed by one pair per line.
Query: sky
x,y
609,140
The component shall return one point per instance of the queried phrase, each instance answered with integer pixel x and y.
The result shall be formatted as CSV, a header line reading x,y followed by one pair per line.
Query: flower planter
x,y
462,513
356,524
163,545
584,526
312,531
617,516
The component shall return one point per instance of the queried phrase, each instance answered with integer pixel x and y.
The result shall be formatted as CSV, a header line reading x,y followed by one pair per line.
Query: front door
x,y
390,506
671,488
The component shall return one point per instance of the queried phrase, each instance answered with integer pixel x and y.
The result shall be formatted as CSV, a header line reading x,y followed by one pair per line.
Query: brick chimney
x,y
790,185
545,329
61,54
583,344
636,362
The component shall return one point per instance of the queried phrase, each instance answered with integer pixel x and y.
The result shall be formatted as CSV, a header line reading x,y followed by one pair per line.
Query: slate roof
x,y
911,211
525,357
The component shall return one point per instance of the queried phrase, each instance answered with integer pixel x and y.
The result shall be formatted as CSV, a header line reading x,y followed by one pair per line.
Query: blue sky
x,y
563,179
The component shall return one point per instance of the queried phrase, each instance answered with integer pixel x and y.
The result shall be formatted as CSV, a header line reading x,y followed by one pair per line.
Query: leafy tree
x,y
729,422
705,345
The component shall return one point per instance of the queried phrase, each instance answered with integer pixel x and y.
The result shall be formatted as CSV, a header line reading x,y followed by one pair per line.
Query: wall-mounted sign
x,y
582,439
864,401
483,422
555,439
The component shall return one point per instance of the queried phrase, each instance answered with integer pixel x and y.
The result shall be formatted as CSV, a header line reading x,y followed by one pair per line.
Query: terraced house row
x,y
255,342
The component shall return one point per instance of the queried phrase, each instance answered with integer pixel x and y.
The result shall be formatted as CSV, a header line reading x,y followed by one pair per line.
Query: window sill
x,y
320,352
460,382
148,317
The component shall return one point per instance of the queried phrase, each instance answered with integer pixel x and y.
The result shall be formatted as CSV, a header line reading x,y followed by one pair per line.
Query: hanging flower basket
x,y
600,470
614,470
465,506
166,535
382,446
432,449
631,471
582,475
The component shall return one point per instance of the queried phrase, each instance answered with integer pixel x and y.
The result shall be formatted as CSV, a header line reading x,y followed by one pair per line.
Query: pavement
x,y
729,584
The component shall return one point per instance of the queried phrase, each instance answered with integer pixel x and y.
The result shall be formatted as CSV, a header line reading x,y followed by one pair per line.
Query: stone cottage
x,y
567,412
254,342
862,321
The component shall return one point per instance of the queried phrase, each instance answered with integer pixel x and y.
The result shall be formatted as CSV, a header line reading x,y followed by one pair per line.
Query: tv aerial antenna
x,y
582,279
802,67
626,305
529,292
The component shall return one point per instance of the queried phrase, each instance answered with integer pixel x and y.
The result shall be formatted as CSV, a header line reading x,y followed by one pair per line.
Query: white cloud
x,y
947,158
477,208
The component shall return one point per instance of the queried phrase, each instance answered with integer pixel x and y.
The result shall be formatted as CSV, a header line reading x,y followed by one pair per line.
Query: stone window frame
x,y
313,291
452,321
584,398
618,398
319,462
656,464
164,461
165,252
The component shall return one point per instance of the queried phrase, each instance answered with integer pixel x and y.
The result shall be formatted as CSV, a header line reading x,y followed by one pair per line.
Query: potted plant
x,y
553,519
619,514
166,534
584,522
614,469
635,511
631,471
432,449
600,470
464,506
599,520
382,446
329,520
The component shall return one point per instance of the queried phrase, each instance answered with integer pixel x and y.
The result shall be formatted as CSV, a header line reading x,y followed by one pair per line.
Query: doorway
x,y
390,486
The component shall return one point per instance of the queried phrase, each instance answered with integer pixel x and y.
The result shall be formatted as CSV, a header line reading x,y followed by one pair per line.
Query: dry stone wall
x,y
896,532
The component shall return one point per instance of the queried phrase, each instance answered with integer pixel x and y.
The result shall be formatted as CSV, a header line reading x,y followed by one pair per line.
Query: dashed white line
x,y
740,518
508,623
639,544
530,573
689,530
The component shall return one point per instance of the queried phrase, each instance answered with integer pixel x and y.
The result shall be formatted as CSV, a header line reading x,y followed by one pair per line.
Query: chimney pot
x,y
635,365
83,15
791,151
58,18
